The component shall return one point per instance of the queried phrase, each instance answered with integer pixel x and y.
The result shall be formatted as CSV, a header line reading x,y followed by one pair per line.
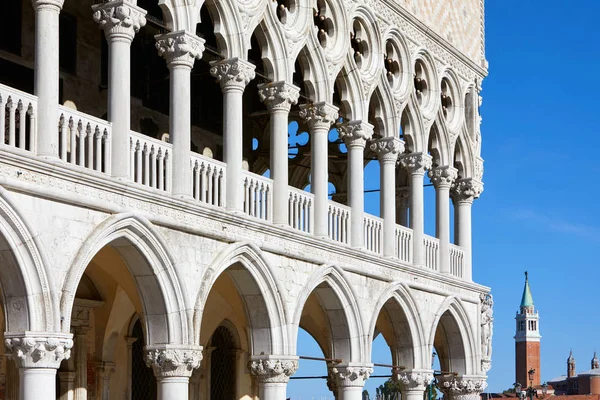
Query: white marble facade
x,y
128,231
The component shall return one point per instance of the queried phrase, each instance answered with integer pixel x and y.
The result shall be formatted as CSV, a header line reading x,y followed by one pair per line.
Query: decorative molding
x,y
355,133
278,95
180,48
273,369
413,380
443,177
173,360
461,387
119,19
39,349
232,73
416,163
350,375
319,115
387,149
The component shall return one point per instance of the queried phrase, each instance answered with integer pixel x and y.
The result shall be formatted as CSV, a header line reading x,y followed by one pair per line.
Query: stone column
x,y
46,77
442,179
12,380
387,150
402,203
272,374
130,342
319,117
234,75
180,49
173,365
355,135
416,164
279,97
81,356
413,383
349,380
67,385
464,191
465,387
104,371
38,356
120,20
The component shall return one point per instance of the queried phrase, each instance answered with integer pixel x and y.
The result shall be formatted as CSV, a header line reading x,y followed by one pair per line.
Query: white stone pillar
x,y
67,385
416,164
464,191
80,350
234,75
442,179
173,365
413,383
120,20
319,117
465,387
46,79
355,135
402,203
272,374
279,97
387,150
104,371
38,356
180,49
130,341
349,380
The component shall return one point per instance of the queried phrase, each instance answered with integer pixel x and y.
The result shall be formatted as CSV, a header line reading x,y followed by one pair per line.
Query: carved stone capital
x,y
38,349
413,380
351,374
273,369
278,95
55,5
355,133
233,73
319,115
416,163
466,190
173,360
119,19
402,196
461,387
180,48
387,149
443,177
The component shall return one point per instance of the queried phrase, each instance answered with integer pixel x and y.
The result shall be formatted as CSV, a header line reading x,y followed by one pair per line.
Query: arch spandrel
x,y
157,281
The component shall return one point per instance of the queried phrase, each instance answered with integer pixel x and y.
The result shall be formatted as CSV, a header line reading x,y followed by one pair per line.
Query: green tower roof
x,y
527,299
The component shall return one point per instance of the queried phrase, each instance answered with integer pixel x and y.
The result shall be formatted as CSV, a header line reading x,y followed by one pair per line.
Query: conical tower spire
x,y
527,299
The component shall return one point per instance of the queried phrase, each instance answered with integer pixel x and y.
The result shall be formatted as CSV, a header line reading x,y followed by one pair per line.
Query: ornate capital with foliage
x,y
465,190
387,148
39,349
273,369
233,73
173,360
416,163
179,48
48,4
413,380
319,115
443,177
461,387
119,19
355,133
278,95
349,375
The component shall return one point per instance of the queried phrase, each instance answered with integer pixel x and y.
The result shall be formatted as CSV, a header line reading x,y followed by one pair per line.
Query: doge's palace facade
x,y
182,188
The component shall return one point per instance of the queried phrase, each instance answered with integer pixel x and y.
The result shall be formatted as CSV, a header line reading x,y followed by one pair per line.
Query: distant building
x,y
527,339
587,382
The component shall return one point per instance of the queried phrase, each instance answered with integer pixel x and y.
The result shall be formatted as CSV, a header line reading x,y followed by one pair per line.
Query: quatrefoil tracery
x,y
284,9
323,23
359,44
420,82
391,63
447,102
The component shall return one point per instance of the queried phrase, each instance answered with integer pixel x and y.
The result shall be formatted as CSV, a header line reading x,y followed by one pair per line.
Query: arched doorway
x,y
222,365
143,382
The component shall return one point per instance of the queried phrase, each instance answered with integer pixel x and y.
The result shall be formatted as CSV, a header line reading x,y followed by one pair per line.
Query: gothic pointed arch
x,y
407,341
255,282
273,50
314,68
437,143
412,127
338,301
462,159
146,256
381,111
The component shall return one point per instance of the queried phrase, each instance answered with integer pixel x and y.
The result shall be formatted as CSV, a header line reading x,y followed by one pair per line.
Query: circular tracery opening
x,y
421,84
359,44
447,100
392,64
285,8
323,23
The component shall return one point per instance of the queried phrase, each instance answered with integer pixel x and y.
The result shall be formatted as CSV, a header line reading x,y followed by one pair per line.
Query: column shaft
x,y
388,207
46,75
233,138
80,365
320,178
67,383
279,165
37,383
442,226
173,388
463,213
356,194
180,127
417,220
350,393
272,391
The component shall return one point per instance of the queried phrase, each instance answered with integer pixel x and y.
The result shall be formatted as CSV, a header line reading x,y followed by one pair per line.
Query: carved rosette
x,y
413,380
38,350
416,163
443,177
119,19
355,133
461,387
232,73
173,360
387,149
273,370
465,190
349,375
319,115
278,96
180,48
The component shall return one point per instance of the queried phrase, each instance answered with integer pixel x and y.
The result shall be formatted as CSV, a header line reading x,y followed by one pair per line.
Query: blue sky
x,y
539,209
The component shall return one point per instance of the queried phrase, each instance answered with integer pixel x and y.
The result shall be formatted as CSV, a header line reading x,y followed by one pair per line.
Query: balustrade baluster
x,y
146,165
11,123
138,162
89,159
2,121
216,187
21,125
98,156
161,170
196,180
81,145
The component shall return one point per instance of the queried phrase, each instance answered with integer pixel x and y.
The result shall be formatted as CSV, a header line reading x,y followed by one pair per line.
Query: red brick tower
x,y
527,340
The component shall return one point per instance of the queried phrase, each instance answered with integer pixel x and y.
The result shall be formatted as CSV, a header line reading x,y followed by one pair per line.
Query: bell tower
x,y
527,340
